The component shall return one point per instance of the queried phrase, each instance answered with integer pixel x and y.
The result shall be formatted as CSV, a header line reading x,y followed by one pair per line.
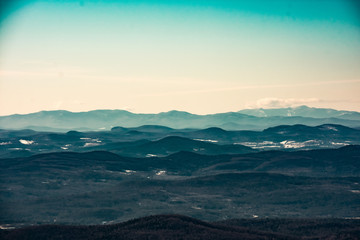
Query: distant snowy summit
x,y
302,111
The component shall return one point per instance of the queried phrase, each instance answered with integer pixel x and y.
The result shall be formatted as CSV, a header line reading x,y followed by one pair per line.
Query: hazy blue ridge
x,y
106,119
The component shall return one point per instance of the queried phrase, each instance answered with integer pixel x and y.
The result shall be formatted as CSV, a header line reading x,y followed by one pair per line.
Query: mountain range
x,y
257,119
105,167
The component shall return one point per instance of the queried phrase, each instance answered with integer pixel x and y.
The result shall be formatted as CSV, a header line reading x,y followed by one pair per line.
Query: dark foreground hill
x,y
175,227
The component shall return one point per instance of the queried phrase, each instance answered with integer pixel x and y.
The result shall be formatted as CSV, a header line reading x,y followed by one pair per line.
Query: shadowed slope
x,y
153,227
174,227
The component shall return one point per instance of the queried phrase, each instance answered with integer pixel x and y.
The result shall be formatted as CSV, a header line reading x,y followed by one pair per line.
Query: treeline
x,y
181,227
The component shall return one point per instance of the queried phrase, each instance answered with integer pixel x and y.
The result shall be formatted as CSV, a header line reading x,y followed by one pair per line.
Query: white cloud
x,y
282,103
126,108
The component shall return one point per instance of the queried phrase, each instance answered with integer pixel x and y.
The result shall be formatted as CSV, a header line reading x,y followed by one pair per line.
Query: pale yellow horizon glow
x,y
151,59
180,94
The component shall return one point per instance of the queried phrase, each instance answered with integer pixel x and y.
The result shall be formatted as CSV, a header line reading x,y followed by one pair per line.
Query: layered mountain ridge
x,y
153,140
258,119
134,165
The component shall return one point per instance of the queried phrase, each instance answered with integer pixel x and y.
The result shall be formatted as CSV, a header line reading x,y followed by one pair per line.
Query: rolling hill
x,y
158,140
96,187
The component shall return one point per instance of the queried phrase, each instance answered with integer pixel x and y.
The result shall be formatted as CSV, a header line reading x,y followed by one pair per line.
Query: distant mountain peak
x,y
176,113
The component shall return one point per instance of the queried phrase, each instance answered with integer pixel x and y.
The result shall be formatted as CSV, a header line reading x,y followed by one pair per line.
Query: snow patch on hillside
x,y
26,142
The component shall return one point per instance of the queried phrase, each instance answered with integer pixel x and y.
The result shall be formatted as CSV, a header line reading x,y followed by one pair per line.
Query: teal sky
x,y
197,56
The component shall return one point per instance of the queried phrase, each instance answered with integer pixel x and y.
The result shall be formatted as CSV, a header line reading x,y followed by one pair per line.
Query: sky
x,y
150,56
